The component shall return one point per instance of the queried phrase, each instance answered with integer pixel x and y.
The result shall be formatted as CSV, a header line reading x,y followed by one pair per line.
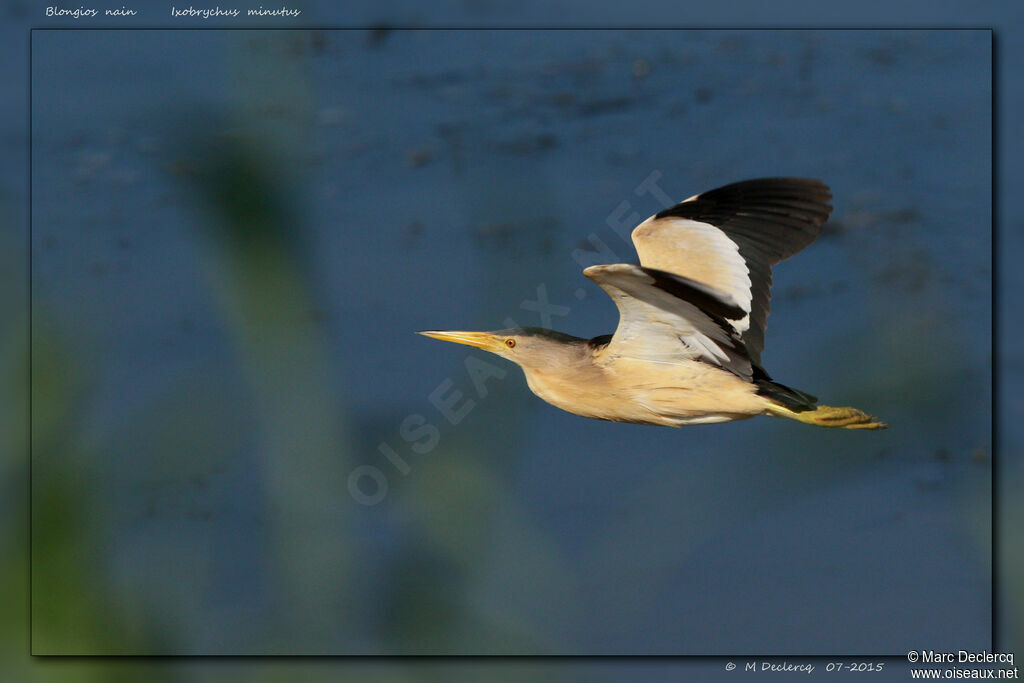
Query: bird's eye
x,y
510,343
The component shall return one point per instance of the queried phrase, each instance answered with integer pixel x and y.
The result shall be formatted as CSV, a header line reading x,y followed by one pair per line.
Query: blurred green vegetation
x,y
94,596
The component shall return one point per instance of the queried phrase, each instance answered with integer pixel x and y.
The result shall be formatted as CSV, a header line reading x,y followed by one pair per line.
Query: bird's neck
x,y
570,386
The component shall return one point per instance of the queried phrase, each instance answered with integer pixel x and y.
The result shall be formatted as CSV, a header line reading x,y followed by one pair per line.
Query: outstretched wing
x,y
729,238
666,318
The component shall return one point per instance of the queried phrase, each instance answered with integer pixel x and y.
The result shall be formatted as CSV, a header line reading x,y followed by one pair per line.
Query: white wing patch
x,y
698,251
658,326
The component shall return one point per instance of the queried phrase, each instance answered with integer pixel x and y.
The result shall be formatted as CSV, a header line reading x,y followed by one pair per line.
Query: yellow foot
x,y
828,416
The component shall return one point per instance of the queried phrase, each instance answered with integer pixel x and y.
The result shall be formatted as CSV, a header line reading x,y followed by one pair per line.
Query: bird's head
x,y
530,347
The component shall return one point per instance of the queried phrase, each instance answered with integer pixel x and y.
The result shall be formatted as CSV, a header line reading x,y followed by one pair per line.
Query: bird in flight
x,y
692,314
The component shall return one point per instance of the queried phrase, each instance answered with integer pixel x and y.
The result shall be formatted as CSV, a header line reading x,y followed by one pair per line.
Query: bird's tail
x,y
828,416
782,401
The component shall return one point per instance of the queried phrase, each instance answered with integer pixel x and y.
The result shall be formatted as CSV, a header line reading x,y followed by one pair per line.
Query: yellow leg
x,y
828,416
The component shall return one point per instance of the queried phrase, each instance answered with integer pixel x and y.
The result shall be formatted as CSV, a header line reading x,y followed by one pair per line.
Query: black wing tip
x,y
806,198
793,210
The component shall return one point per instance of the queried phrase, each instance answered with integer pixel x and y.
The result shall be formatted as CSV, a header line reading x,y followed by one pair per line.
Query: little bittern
x,y
691,317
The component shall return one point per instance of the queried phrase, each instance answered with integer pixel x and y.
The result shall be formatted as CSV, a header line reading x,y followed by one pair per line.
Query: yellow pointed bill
x,y
481,340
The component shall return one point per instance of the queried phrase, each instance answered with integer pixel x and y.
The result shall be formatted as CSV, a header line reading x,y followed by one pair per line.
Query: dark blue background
x,y
237,368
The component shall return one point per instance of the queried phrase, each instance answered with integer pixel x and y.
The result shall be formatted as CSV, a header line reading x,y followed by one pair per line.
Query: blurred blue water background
x,y
235,235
